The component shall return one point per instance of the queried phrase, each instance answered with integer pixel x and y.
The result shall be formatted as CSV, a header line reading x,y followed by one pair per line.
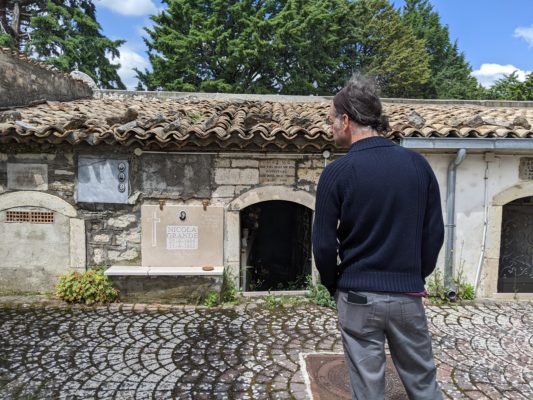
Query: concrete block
x,y
78,256
3,157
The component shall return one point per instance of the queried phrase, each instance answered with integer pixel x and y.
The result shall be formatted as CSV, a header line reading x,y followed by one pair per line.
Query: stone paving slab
x,y
483,351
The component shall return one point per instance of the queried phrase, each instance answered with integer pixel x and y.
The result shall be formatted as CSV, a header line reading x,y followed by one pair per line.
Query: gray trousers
x,y
402,321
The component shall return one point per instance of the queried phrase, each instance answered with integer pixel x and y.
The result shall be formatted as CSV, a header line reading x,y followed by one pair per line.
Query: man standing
x,y
378,209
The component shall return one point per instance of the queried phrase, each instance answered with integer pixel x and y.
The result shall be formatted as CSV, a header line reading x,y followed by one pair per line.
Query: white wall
x,y
470,189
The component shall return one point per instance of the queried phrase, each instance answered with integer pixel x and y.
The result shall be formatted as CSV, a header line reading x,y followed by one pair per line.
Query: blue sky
x,y
496,36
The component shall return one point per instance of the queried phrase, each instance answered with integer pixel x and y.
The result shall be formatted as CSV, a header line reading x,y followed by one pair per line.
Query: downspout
x,y
485,224
449,285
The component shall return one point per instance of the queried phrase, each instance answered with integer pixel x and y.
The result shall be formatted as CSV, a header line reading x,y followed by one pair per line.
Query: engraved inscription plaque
x,y
526,169
278,172
27,176
171,241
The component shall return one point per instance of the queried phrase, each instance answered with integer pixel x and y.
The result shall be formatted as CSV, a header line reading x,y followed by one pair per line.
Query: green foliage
x,y
228,291
88,287
318,294
212,299
281,46
510,88
6,40
67,36
273,301
450,73
15,18
438,292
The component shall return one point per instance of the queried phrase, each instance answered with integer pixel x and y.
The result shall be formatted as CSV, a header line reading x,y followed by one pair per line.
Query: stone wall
x,y
24,81
113,231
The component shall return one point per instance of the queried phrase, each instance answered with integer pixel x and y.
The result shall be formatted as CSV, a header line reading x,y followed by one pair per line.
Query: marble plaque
x,y
102,181
27,176
182,235
277,172
526,169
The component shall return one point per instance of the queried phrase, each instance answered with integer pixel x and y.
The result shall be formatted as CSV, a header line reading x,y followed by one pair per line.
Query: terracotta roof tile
x,y
233,125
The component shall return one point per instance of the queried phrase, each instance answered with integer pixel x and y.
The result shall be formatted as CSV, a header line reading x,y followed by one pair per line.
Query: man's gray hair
x,y
359,100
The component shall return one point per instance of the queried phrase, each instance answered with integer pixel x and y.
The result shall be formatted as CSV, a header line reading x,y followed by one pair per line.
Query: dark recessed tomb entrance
x,y
276,246
516,252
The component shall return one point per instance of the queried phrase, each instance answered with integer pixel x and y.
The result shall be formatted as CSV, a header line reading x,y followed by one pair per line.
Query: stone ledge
x,y
127,270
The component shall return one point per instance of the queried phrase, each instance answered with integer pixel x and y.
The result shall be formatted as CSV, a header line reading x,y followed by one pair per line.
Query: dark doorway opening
x,y
276,246
515,273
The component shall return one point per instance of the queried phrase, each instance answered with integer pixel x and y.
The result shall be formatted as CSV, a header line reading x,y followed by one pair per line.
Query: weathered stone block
x,y
128,255
99,256
240,163
166,289
227,176
61,186
63,172
38,156
3,157
309,174
186,176
103,238
224,191
122,221
222,163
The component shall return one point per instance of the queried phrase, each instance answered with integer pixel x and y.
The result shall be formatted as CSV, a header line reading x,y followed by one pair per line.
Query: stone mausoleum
x,y
166,190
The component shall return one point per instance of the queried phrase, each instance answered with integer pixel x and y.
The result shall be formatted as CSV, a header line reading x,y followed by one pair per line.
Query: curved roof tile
x,y
233,124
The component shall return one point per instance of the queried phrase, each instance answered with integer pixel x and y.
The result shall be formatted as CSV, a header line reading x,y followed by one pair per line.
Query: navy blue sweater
x,y
377,208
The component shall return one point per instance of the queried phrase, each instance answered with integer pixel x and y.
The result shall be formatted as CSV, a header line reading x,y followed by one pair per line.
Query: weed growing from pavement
x,y
437,291
212,299
318,294
228,292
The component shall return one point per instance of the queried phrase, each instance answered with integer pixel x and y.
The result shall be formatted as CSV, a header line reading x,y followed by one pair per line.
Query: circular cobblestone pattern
x,y
244,352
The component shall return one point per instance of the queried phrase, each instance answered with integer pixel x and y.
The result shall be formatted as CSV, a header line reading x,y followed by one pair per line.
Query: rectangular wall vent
x,y
33,217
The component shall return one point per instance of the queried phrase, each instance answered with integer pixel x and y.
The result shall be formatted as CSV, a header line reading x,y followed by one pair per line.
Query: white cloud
x,y
128,60
130,7
525,33
487,74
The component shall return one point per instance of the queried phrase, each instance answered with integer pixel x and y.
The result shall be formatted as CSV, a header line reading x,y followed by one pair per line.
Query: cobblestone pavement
x,y
483,351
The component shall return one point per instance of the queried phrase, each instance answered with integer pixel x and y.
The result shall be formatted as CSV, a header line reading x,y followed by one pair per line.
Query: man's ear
x,y
345,123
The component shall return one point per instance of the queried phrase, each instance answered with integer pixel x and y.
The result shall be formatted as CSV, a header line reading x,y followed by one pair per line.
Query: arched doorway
x,y
276,246
234,261
515,272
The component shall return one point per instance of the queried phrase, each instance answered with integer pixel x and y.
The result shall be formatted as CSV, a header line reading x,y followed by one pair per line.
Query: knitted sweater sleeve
x,y
327,213
433,228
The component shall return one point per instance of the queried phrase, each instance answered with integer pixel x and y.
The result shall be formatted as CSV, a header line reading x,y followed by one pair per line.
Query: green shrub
x,y
318,294
88,287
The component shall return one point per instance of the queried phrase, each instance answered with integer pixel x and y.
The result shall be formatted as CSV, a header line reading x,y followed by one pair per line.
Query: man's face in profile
x,y
341,135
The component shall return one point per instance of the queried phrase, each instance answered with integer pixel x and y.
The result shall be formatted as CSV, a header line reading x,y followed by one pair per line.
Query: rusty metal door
x,y
516,252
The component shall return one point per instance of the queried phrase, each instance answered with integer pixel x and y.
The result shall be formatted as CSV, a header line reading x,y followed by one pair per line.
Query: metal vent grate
x,y
33,217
